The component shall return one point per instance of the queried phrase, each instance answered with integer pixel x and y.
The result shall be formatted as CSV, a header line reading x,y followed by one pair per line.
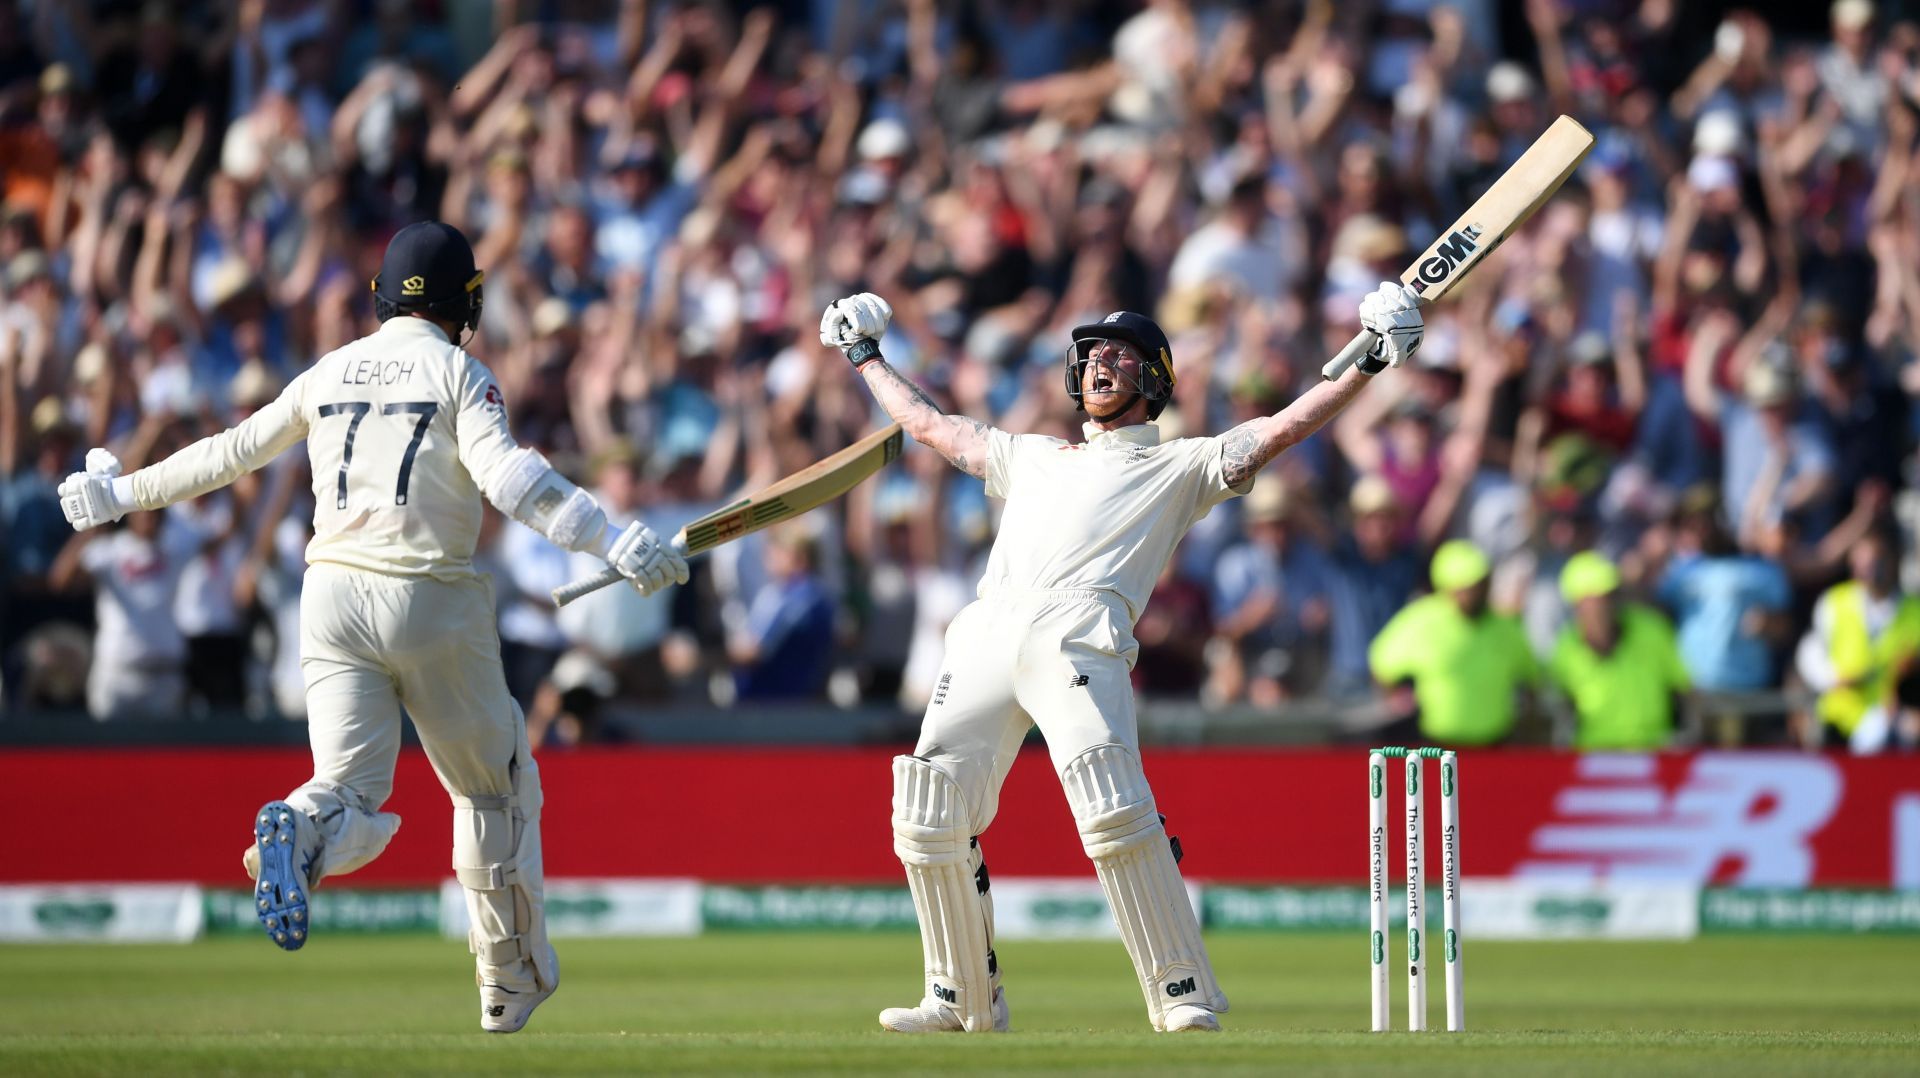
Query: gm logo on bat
x,y
1448,255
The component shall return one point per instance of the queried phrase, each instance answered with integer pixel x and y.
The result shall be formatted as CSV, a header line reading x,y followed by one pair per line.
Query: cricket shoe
x,y
280,861
1191,1018
933,1016
506,1010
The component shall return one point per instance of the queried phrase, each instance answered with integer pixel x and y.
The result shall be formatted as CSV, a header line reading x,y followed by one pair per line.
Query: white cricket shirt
x,y
1105,514
398,425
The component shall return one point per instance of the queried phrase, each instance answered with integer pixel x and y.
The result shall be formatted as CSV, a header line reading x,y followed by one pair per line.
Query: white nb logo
x,y
1746,820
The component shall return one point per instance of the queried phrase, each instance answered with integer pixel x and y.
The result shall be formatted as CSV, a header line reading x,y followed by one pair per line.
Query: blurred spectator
x,y
1860,653
1371,574
613,636
1617,663
1776,462
1268,595
194,195
530,637
1731,608
1467,665
1172,632
139,653
781,653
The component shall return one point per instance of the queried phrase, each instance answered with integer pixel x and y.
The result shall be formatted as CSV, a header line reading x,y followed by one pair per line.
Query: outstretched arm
x,y
1248,447
1392,313
101,495
961,440
855,325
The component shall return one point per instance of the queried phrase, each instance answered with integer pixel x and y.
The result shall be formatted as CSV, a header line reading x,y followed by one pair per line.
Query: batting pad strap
x,y
497,952
932,836
1121,830
486,877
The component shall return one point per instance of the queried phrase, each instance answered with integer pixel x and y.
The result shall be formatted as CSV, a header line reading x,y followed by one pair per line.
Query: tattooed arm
x,y
961,440
1248,447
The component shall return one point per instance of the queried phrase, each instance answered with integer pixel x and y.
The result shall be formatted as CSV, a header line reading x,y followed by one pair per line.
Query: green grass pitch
x,y
805,1003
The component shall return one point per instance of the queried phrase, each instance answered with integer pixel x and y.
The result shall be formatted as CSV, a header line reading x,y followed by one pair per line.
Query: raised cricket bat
x,y
1495,216
809,488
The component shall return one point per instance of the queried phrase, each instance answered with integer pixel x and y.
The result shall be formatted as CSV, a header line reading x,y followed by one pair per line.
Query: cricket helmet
x,y
429,268
1144,334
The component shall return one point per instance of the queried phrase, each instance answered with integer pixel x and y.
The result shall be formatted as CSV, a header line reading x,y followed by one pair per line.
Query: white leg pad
x,y
933,838
496,858
1122,833
351,832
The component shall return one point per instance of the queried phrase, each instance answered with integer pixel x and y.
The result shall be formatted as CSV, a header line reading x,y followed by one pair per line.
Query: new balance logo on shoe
x,y
1077,681
496,1010
1176,989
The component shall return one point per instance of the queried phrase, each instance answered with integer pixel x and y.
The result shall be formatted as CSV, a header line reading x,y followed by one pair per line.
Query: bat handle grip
x,y
567,593
1357,347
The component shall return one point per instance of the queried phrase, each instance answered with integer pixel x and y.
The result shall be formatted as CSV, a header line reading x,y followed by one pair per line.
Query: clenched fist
x,y
848,322
1392,312
87,498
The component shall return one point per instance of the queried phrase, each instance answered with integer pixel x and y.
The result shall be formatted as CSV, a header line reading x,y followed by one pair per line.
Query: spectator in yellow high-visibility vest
x,y
1617,661
1862,645
1466,663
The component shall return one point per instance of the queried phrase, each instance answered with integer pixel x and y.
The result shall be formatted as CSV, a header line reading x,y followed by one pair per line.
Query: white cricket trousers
x,y
371,645
1061,658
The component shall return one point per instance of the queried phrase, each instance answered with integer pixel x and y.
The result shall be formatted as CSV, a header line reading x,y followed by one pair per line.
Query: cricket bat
x,y
809,488
1496,215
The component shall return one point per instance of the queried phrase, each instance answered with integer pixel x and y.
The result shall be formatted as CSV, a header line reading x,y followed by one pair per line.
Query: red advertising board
x,y
1748,819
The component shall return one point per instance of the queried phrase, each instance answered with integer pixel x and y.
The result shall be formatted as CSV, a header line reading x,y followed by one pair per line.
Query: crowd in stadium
x,y
1696,366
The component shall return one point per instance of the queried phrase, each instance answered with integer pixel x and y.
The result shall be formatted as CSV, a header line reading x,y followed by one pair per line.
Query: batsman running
x,y
406,433
1086,530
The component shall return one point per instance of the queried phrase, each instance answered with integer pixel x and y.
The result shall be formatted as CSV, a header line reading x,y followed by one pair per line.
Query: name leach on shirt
x,y
401,427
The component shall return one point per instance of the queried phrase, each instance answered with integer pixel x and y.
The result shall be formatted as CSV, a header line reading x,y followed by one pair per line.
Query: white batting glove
x,y
643,559
86,498
847,322
1392,312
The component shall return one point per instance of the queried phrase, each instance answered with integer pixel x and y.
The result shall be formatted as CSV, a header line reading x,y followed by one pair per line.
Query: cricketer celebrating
x,y
406,432
1086,530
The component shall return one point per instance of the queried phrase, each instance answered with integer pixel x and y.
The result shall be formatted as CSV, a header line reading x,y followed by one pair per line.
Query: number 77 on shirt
x,y
809,488
1518,192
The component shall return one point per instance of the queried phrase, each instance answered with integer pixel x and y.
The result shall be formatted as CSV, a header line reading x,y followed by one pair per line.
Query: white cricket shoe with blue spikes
x,y
281,864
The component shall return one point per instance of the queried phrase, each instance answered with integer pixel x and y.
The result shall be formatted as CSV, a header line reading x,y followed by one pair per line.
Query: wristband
x,y
864,349
122,490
